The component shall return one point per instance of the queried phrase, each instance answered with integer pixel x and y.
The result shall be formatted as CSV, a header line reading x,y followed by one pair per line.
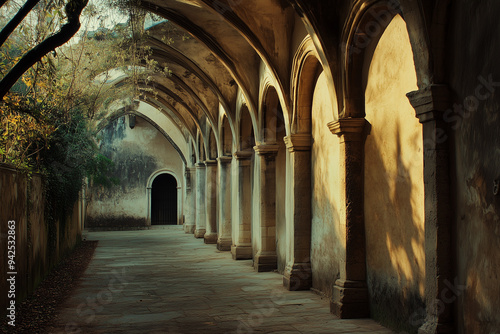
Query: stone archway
x,y
164,199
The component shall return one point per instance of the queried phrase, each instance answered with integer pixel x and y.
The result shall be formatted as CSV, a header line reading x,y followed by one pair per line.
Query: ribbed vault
x,y
218,53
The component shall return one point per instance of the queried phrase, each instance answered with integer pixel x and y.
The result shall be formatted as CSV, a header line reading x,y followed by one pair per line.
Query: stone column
x,y
224,240
350,293
201,219
298,274
430,104
148,219
241,248
265,259
190,201
211,201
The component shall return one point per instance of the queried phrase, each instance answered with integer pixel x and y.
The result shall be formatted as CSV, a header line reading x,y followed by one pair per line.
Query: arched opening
x,y
227,137
247,137
212,146
299,186
202,154
270,245
281,180
164,200
394,181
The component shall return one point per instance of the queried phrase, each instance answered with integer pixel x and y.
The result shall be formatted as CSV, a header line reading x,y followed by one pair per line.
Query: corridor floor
x,y
165,281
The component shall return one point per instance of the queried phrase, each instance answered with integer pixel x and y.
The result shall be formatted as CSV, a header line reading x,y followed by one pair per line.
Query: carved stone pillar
x,y
211,201
149,193
350,293
190,201
201,219
430,104
265,259
297,274
241,248
224,240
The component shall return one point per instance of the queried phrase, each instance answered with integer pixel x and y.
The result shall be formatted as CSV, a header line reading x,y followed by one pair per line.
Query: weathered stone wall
x,y
326,244
394,186
37,249
474,77
136,153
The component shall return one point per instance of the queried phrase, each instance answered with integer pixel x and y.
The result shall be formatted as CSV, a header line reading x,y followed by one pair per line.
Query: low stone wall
x,y
37,246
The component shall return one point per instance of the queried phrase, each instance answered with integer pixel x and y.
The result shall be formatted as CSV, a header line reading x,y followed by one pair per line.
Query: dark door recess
x,y
164,200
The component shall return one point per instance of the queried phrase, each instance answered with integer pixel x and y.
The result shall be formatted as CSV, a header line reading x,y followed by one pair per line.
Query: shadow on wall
x,y
395,236
327,245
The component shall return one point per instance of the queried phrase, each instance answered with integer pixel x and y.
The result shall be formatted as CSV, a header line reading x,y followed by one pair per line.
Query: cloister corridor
x,y
165,281
254,166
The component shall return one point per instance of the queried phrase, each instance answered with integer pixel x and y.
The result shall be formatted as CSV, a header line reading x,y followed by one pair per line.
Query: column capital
x,y
266,149
200,164
430,102
298,142
224,160
349,129
243,155
210,163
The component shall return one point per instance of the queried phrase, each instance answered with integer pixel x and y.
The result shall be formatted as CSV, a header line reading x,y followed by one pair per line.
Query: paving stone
x,y
166,281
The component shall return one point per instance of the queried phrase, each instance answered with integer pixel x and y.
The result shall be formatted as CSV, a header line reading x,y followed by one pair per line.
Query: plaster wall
x,y
394,187
474,77
136,153
159,118
326,244
281,174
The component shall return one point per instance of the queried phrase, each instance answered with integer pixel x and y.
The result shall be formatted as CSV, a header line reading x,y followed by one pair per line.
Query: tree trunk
x,y
73,10
16,20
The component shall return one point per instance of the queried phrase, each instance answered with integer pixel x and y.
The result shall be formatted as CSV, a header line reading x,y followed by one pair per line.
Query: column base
x,y
224,244
298,277
350,300
199,233
241,252
189,229
432,327
267,261
210,238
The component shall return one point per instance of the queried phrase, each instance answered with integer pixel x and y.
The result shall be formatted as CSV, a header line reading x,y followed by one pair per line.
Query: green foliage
x,y
45,119
71,156
100,169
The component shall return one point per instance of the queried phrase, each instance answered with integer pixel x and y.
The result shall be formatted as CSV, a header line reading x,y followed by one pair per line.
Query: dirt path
x,y
37,313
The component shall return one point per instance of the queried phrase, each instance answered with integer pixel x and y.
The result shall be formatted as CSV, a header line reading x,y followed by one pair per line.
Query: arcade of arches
x,y
349,145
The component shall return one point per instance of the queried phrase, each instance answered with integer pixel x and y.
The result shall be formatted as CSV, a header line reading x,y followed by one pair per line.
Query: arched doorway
x,y
164,200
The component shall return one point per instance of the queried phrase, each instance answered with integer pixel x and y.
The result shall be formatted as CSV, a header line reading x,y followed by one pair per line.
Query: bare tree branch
x,y
16,20
73,10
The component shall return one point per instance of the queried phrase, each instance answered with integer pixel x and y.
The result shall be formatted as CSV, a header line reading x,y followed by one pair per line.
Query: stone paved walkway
x,y
165,281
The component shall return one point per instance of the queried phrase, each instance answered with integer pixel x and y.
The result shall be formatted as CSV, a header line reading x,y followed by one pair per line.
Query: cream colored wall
x,y
326,245
137,153
159,118
394,188
281,174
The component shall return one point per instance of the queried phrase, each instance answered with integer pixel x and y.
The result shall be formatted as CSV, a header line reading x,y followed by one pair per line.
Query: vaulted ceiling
x,y
217,50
